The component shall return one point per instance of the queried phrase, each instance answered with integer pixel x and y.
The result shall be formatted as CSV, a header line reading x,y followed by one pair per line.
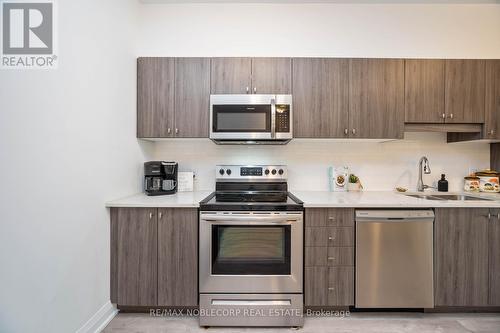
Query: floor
x,y
356,322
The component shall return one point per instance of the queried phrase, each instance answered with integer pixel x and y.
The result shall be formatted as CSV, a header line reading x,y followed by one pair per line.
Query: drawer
x,y
329,236
329,217
329,286
329,256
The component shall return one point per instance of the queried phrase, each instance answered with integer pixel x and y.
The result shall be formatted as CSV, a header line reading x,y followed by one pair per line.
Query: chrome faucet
x,y
427,170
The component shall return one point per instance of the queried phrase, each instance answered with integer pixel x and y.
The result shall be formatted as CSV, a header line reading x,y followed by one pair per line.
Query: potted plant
x,y
354,184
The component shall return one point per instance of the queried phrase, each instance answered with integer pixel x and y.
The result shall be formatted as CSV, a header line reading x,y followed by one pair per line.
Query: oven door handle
x,y
254,219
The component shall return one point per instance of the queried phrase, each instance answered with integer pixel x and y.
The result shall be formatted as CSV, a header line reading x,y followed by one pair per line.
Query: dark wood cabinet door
x,y
320,97
329,217
492,107
136,256
464,91
177,257
376,98
424,91
231,75
271,76
192,97
316,286
494,257
155,97
461,257
341,286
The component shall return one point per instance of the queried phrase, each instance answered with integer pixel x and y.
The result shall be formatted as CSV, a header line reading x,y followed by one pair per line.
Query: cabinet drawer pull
x,y
176,131
331,218
353,131
254,90
331,258
443,116
346,131
331,289
150,215
451,115
331,237
169,130
248,90
498,216
160,214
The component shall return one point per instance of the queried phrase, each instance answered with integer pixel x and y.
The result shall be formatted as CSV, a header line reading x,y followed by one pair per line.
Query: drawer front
x,y
341,286
329,217
329,286
329,236
329,256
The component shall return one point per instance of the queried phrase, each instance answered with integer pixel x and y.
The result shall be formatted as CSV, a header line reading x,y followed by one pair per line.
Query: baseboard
x,y
100,319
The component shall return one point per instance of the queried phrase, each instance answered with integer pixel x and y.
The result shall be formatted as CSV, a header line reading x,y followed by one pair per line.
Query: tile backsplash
x,y
380,165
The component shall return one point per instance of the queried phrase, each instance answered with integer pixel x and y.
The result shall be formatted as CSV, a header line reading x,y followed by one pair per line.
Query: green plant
x,y
353,179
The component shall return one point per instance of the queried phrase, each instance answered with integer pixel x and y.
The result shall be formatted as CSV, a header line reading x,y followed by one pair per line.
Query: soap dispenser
x,y
443,184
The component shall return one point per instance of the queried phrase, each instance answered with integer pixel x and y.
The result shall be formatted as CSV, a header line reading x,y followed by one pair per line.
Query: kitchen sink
x,y
454,197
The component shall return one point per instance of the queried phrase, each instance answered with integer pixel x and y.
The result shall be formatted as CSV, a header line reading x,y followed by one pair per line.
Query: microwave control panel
x,y
282,118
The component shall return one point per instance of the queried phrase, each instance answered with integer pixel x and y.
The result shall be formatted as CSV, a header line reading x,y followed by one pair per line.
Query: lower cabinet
x,y
154,259
494,256
329,257
461,256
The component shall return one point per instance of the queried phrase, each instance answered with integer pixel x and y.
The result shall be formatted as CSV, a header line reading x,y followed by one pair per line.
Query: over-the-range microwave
x,y
251,119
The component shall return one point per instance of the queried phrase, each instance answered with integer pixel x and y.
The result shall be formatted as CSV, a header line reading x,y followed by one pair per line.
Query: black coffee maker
x,y
160,177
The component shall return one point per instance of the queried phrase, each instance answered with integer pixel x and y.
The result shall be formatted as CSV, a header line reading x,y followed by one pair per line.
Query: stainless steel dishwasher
x,y
394,259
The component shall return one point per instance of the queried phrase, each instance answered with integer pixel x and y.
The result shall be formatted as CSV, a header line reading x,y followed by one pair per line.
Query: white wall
x,y
337,30
67,145
381,166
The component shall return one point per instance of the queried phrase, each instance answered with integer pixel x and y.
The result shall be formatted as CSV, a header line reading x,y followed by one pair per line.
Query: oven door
x,y
251,252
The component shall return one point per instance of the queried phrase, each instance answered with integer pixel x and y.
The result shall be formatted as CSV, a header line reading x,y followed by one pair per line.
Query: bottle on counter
x,y
443,184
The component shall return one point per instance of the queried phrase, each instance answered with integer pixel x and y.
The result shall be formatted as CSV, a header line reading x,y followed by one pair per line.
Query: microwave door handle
x,y
273,118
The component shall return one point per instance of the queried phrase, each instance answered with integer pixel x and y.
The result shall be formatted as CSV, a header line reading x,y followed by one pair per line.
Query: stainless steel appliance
x,y
394,259
251,119
251,250
160,177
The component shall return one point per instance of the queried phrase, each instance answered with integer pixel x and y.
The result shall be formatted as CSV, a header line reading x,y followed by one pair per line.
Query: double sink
x,y
454,197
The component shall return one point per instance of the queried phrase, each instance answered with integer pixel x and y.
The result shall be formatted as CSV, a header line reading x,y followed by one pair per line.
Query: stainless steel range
x,y
251,249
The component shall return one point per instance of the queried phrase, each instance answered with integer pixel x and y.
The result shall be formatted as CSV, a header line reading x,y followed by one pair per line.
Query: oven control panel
x,y
251,172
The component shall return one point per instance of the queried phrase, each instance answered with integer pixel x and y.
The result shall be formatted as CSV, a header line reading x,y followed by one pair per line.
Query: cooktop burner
x,y
258,187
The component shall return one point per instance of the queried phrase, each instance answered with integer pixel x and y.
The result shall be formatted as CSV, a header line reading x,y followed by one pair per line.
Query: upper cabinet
x,y
492,105
376,98
251,76
464,91
320,98
424,91
155,97
173,97
445,91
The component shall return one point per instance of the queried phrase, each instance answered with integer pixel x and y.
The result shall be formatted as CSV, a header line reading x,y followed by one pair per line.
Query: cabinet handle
x,y
150,216
346,131
498,216
331,218
451,115
331,289
248,90
443,116
331,237
353,131
169,130
331,258
254,90
176,131
160,214
492,132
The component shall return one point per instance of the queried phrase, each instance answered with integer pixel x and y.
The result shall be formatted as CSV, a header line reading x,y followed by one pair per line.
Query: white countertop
x,y
388,199
366,199
180,199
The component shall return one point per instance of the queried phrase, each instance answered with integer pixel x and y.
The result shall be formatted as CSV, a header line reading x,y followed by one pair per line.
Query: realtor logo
x,y
28,38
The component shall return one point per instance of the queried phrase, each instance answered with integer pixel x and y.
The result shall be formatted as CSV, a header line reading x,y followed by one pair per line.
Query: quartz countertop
x,y
179,199
311,199
389,199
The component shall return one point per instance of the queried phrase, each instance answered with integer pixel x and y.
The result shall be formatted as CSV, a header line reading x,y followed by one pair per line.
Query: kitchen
x,y
367,86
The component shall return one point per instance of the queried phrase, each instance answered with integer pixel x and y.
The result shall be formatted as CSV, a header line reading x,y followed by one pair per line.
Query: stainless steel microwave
x,y
251,119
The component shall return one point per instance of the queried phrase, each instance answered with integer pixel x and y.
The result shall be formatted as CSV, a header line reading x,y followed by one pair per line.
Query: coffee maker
x,y
160,177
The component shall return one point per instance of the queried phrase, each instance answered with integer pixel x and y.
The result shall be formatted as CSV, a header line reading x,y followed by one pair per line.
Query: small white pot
x,y
354,187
